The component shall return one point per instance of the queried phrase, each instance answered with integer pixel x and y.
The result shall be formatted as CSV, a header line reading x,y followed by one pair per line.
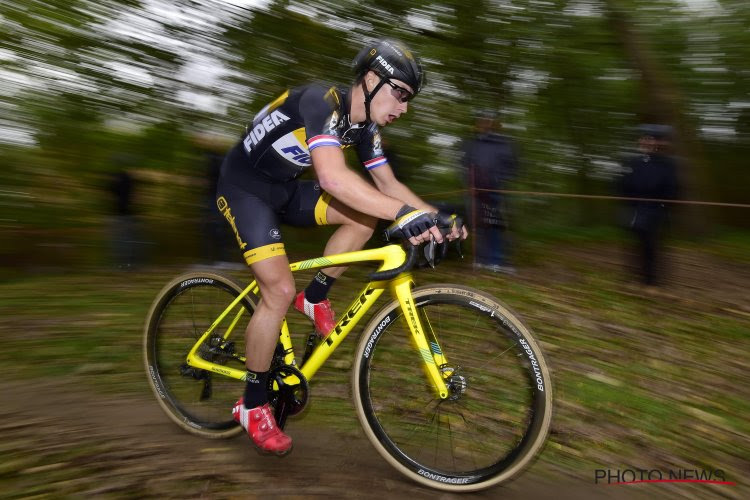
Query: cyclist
x,y
258,188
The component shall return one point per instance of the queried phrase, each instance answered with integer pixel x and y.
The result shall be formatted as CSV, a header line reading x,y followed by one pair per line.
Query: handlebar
x,y
413,254
411,259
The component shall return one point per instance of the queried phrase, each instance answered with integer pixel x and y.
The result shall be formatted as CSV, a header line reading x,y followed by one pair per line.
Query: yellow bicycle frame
x,y
391,256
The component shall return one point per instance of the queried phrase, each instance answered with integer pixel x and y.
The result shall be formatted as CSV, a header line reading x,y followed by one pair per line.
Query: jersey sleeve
x,y
370,149
318,108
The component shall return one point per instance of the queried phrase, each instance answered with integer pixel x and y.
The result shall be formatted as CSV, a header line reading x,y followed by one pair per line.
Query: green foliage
x,y
84,81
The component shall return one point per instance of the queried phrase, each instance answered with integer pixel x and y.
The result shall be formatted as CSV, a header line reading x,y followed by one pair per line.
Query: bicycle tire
x,y
196,400
499,412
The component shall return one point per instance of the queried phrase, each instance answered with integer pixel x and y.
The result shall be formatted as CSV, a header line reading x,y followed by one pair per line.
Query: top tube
x,y
393,258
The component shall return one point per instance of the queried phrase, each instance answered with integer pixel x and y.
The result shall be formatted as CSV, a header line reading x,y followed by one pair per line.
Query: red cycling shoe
x,y
321,313
261,427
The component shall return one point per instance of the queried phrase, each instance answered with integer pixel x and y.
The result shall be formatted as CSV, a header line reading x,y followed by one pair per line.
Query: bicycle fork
x,y
425,340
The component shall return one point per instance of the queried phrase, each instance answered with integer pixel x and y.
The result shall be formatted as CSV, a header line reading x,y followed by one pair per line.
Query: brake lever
x,y
429,251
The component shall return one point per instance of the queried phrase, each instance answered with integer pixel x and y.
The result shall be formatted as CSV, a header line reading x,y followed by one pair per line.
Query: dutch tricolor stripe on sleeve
x,y
323,140
375,162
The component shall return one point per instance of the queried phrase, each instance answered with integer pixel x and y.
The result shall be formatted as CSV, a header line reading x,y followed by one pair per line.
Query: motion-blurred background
x,y
91,89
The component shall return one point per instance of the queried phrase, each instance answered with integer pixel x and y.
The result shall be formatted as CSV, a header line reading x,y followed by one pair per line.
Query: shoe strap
x,y
265,411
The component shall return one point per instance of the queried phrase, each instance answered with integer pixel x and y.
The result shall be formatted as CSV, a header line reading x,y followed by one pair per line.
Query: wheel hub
x,y
455,382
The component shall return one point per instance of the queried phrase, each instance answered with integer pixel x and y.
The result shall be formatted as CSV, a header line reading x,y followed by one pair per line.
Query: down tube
x,y
348,321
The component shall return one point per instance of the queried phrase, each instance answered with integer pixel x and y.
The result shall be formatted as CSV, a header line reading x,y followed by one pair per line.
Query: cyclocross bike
x,y
448,384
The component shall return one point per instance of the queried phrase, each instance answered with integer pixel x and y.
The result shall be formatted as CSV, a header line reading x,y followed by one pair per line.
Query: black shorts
x,y
255,205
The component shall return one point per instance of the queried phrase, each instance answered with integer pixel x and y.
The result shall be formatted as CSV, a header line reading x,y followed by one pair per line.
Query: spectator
x,y
123,224
217,244
651,175
489,162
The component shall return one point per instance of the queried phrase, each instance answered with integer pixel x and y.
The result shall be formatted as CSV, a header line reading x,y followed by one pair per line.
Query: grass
x,y
641,380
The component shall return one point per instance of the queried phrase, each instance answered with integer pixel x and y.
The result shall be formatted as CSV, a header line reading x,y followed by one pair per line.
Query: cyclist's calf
x,y
277,292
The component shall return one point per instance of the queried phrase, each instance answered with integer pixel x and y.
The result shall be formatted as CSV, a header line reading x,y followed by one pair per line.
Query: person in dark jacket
x,y
489,162
217,247
651,175
124,240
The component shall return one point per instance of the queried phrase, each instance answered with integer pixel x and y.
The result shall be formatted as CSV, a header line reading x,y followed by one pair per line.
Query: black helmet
x,y
390,59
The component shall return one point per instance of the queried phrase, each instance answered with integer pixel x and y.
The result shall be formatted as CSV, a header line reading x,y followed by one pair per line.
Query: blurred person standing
x,y
489,161
123,224
217,248
651,175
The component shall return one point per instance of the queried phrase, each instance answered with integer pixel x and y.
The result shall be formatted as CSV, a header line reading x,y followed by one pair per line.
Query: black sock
x,y
255,390
318,288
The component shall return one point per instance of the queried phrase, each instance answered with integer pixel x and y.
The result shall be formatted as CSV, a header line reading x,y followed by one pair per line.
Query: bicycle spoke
x,y
453,447
503,352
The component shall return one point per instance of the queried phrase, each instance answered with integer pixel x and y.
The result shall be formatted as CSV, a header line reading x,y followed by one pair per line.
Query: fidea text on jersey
x,y
266,125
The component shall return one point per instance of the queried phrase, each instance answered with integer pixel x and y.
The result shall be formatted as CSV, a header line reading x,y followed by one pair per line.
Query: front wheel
x,y
498,412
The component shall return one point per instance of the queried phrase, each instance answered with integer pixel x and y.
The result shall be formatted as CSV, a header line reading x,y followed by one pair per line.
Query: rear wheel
x,y
498,413
197,400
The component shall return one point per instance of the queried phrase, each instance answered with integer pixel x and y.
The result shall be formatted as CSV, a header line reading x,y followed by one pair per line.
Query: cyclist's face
x,y
390,102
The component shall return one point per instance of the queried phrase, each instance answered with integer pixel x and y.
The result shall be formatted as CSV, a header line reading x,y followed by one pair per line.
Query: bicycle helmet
x,y
390,60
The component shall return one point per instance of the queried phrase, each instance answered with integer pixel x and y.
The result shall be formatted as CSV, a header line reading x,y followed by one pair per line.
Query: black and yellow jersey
x,y
282,135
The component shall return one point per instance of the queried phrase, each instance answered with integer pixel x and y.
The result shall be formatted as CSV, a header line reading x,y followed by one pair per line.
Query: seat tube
x,y
402,289
286,342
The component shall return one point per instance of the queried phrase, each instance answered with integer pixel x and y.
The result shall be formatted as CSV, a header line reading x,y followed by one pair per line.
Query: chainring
x,y
286,399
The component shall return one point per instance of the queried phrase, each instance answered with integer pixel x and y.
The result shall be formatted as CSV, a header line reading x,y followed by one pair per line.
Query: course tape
x,y
588,196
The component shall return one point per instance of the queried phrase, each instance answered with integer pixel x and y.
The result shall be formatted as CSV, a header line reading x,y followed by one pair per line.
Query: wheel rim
x,y
494,412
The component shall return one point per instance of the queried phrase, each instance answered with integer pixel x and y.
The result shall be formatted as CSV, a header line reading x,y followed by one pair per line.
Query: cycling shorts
x,y
254,205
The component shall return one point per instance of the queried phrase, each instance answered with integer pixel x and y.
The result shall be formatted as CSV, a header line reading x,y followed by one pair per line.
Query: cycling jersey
x,y
282,135
258,186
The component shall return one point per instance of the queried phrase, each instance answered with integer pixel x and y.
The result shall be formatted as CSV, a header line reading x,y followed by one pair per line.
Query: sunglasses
x,y
400,93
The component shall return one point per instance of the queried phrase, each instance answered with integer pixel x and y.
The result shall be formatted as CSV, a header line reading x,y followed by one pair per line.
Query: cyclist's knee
x,y
338,213
276,283
278,293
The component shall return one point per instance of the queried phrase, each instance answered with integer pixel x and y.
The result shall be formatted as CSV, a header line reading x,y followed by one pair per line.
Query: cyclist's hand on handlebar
x,y
452,225
415,225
